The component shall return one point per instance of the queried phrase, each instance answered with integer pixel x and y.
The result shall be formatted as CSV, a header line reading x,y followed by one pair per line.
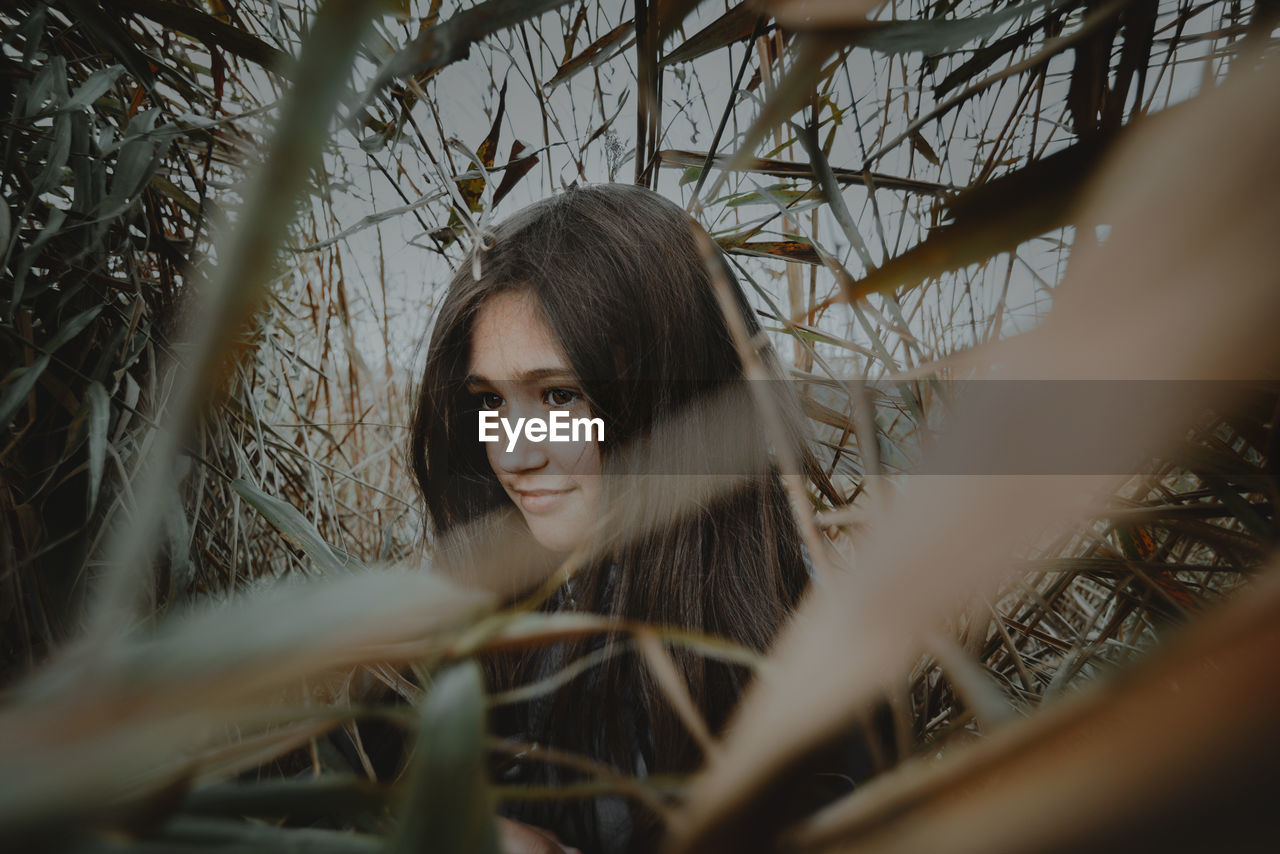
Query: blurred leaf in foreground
x,y
448,808
1201,259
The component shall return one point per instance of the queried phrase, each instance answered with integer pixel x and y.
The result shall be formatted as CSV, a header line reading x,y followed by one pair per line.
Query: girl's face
x,y
518,369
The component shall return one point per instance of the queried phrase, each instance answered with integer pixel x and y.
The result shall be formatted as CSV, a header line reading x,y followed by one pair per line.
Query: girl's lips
x,y
541,500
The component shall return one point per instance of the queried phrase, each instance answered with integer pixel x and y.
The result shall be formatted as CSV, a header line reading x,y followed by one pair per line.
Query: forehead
x,y
510,337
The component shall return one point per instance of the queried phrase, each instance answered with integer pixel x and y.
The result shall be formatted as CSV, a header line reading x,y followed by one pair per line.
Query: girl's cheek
x,y
579,458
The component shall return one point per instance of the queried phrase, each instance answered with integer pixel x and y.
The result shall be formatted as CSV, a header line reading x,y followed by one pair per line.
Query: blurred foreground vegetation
x,y
214,212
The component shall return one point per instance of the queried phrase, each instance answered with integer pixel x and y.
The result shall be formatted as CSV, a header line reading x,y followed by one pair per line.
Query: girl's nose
x,y
526,455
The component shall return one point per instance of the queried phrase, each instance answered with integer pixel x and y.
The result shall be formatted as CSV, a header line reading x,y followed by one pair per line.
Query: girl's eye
x,y
489,400
560,396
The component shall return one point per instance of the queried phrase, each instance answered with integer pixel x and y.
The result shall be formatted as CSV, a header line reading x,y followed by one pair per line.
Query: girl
x,y
599,302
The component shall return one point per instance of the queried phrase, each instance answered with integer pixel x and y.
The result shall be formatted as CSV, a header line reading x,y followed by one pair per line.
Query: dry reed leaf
x,y
941,538
237,288
734,25
1177,758
94,729
599,51
788,169
817,14
103,725
674,688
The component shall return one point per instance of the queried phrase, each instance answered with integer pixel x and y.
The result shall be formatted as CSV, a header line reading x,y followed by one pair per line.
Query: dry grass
x,y
207,362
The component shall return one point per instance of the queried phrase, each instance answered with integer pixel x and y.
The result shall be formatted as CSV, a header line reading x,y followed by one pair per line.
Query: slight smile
x,y
541,500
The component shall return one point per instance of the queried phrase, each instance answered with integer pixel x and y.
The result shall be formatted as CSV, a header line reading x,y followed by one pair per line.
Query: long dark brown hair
x,y
617,274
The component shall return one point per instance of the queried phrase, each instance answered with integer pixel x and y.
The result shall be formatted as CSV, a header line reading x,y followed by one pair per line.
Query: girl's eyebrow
x,y
531,375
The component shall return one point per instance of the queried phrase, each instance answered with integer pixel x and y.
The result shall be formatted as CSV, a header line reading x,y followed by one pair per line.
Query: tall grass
x,y
203,246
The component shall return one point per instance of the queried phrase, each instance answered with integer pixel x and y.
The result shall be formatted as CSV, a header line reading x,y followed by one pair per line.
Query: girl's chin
x,y
555,536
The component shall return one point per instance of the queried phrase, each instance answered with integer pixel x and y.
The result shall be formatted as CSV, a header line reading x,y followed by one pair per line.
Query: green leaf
x,y
93,88
17,385
6,230
178,541
939,34
72,328
43,86
98,409
139,155
449,806
324,797
32,32
59,150
225,836
296,529
90,179
51,228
